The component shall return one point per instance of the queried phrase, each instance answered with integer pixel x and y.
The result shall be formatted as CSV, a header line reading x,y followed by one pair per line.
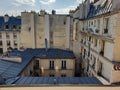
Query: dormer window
x,y
0,27
6,26
14,27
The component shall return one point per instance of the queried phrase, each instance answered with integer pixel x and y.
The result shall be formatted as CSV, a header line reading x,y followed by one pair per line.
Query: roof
x,y
100,7
11,21
13,69
53,81
53,54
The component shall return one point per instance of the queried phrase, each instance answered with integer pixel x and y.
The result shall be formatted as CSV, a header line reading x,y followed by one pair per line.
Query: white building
x,y
9,33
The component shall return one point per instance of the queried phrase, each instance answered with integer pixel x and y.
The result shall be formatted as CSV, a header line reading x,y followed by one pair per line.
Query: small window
x,y
29,28
64,22
6,26
0,26
63,75
14,27
0,42
0,35
51,75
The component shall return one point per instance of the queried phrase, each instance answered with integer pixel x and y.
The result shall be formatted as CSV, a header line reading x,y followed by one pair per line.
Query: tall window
x,y
51,64
98,23
0,35
107,23
8,43
36,64
63,65
0,42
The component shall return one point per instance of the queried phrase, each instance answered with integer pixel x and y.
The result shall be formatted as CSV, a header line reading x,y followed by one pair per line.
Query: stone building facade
x,y
9,33
96,39
38,27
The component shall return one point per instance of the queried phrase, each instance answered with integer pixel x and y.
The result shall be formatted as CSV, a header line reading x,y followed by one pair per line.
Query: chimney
x,y
6,18
46,47
53,12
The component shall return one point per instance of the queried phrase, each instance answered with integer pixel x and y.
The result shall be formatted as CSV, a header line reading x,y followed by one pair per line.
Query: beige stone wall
x,y
56,26
25,36
116,56
69,71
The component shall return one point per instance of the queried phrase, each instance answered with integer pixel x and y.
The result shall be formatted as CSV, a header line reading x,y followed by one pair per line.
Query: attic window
x,y
0,26
64,22
29,28
14,26
6,26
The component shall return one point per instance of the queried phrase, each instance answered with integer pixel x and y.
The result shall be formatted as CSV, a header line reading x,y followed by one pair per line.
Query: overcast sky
x,y
16,6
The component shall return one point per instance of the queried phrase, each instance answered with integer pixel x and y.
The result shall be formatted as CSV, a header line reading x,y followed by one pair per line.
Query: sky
x,y
14,7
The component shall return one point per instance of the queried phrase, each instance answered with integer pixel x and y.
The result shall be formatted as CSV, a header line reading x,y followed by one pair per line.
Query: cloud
x,y
65,10
47,2
21,2
79,1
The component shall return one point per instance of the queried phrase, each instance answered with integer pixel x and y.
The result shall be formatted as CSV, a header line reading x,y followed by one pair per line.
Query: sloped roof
x,y
100,7
13,69
11,21
53,81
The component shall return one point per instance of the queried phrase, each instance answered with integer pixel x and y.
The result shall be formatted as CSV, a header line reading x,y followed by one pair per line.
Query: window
x,y
95,42
0,42
36,64
94,23
64,22
0,35
51,64
63,75
14,27
0,26
8,43
15,43
63,65
7,35
107,25
29,28
6,26
14,35
51,75
98,23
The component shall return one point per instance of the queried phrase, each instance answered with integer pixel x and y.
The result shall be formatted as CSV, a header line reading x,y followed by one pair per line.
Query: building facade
x,y
9,33
38,27
97,39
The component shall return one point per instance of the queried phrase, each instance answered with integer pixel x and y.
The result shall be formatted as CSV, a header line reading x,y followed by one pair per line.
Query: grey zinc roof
x,y
13,69
101,7
51,81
